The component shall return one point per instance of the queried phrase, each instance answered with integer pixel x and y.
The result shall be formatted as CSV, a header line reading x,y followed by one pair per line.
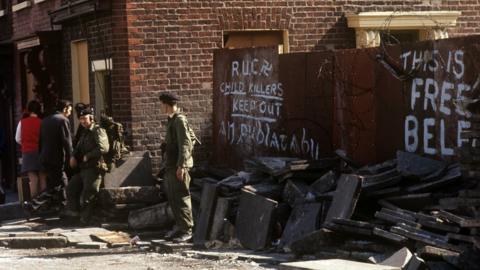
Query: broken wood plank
x,y
254,220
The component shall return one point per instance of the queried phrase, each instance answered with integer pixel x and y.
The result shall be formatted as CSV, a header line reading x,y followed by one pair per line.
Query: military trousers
x,y
179,199
83,188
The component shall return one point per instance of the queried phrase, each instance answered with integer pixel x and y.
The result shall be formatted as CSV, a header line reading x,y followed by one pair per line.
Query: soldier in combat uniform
x,y
178,155
88,154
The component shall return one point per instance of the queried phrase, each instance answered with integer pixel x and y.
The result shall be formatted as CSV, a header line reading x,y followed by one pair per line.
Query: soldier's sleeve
x,y
184,141
102,145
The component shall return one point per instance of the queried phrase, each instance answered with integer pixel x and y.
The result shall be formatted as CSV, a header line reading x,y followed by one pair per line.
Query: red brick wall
x,y
171,46
35,18
106,35
6,30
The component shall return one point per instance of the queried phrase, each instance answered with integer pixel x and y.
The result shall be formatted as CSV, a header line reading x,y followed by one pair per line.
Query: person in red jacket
x,y
27,135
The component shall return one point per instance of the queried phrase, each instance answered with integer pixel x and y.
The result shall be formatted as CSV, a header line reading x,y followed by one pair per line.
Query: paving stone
x,y
464,222
164,246
221,212
91,245
400,259
135,171
325,183
79,235
333,264
435,252
14,228
244,255
303,220
316,241
254,220
207,212
410,164
345,198
294,192
389,235
34,242
156,216
109,197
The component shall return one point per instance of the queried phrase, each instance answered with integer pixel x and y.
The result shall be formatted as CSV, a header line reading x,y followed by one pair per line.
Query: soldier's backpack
x,y
116,140
191,134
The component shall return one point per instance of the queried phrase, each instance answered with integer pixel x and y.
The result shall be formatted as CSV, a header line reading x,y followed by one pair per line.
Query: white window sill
x,y
2,13
20,6
38,1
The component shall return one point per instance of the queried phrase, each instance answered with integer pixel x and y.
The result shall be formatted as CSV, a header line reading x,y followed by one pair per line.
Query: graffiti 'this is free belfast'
x,y
434,95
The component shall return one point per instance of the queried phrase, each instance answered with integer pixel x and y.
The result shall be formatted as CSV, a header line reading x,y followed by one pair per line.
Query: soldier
x,y
87,155
178,155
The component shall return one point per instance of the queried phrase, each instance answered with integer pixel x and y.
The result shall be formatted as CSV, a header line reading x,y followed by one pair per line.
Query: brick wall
x,y
171,46
6,29
105,34
35,18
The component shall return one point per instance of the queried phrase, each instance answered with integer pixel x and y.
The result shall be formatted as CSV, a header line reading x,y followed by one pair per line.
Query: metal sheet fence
x,y
369,102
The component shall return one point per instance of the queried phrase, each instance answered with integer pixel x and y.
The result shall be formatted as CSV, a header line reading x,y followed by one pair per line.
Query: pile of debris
x,y
332,208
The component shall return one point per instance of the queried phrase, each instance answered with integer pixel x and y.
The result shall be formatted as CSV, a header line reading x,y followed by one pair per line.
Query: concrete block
x,y
157,216
303,220
400,259
254,220
34,242
345,197
333,264
91,245
135,171
109,197
207,208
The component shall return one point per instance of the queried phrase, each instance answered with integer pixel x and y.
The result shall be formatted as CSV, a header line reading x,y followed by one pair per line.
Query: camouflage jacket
x,y
92,143
179,145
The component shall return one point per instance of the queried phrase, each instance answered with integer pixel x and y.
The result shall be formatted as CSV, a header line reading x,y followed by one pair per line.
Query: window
x,y
255,38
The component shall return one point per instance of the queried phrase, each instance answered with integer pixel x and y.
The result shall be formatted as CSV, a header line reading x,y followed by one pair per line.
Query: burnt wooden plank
x,y
207,206
254,218
345,197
